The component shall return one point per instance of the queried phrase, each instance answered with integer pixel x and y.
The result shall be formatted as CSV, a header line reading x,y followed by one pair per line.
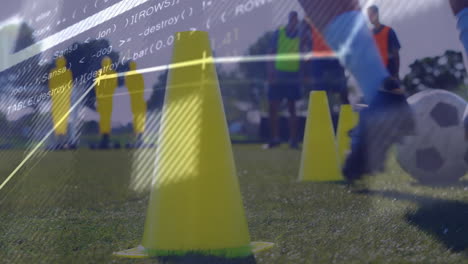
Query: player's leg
x,y
341,81
293,94
465,122
338,85
345,29
334,83
274,123
460,9
292,123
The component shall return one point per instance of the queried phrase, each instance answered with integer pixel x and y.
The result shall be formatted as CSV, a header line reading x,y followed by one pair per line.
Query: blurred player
x,y
387,42
388,117
136,88
460,9
466,127
324,72
283,78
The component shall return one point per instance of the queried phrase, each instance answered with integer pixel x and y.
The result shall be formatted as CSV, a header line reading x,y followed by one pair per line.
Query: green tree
x,y
19,81
156,100
257,70
86,58
441,72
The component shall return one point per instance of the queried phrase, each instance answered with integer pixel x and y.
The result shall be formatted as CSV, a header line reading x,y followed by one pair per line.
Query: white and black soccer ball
x,y
437,153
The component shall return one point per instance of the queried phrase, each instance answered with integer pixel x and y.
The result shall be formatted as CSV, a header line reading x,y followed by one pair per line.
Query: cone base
x,y
258,247
138,252
141,252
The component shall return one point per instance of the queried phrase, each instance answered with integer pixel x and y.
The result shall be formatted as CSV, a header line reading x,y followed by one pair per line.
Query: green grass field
x,y
77,207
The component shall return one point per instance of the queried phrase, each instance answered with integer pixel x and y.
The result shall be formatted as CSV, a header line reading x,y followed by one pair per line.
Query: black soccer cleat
x,y
386,121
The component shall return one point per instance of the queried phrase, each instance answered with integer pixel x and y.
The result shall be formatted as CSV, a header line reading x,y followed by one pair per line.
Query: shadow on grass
x,y
51,208
199,259
463,183
67,179
445,220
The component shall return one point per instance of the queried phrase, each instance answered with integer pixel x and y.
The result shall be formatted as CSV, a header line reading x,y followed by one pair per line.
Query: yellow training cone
x,y
195,205
319,157
348,120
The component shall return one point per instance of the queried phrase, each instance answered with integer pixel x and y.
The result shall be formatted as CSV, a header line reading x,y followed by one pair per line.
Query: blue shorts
x,y
287,85
327,75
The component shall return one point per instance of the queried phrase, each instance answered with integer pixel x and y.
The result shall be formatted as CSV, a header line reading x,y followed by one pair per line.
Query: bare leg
x,y
292,122
458,6
344,95
274,127
346,31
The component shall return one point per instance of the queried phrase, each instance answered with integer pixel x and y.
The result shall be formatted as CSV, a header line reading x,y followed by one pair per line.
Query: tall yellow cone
x,y
319,157
195,205
348,120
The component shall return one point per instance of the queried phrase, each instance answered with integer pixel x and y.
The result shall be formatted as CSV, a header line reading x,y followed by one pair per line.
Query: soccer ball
x,y
436,154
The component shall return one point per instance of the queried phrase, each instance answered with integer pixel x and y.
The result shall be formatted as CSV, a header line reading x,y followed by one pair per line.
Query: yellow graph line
x,y
205,60
38,145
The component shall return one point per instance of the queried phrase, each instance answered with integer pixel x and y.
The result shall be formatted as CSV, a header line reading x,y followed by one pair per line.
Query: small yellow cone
x,y
319,156
195,205
348,120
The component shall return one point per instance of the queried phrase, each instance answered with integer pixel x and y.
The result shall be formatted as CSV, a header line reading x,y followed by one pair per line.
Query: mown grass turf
x,y
77,207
